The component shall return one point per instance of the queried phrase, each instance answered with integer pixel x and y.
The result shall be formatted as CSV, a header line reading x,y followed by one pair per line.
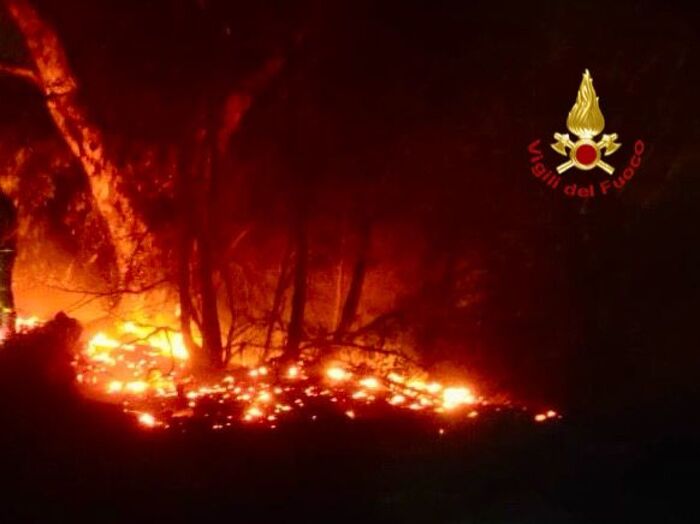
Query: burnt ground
x,y
67,459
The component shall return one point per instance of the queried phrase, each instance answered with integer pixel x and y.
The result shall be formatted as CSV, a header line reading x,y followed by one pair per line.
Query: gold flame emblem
x,y
586,121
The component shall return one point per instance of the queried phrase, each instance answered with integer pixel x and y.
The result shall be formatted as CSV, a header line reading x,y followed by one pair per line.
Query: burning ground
x,y
75,456
146,371
91,458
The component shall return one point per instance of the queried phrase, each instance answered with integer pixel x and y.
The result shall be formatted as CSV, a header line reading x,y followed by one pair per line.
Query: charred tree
x,y
352,299
185,280
200,264
296,319
211,326
187,311
282,283
196,260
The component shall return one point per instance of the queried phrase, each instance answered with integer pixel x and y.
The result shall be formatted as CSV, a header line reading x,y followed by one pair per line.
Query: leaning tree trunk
x,y
282,282
296,320
52,74
352,300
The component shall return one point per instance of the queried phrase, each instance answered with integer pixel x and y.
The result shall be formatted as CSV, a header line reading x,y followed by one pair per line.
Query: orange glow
x,y
147,420
137,386
457,396
397,399
253,413
149,370
26,323
115,386
336,373
433,387
370,382
264,396
549,414
395,377
146,369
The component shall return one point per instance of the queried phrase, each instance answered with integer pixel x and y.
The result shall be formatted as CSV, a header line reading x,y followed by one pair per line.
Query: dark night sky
x,y
596,297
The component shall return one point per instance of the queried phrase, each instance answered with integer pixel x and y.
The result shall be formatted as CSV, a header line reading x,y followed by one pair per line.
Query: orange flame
x,y
146,369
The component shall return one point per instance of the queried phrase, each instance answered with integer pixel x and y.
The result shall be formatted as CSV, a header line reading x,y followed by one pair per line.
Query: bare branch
x,y
377,323
25,73
112,292
228,284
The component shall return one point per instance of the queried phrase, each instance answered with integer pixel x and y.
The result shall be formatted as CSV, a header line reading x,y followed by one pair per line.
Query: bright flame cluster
x,y
146,370
253,397
139,360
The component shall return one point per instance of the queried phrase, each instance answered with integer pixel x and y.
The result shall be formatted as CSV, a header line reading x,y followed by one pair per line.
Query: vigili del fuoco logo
x,y
585,152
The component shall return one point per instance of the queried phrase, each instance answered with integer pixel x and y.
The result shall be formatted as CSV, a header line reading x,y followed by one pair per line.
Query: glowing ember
x,y
338,374
542,417
137,386
370,383
433,387
253,413
146,369
115,386
264,396
26,323
397,399
155,376
454,397
147,420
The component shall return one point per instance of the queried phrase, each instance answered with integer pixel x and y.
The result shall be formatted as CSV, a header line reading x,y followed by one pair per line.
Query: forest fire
x,y
322,301
148,372
283,261
152,380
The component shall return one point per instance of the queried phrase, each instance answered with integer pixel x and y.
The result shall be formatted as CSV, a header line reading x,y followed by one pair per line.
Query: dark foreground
x,y
498,470
67,459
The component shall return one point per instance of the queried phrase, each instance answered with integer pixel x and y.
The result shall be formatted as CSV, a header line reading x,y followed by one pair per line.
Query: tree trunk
x,y
206,166
282,283
296,320
211,327
187,312
352,300
53,75
223,115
